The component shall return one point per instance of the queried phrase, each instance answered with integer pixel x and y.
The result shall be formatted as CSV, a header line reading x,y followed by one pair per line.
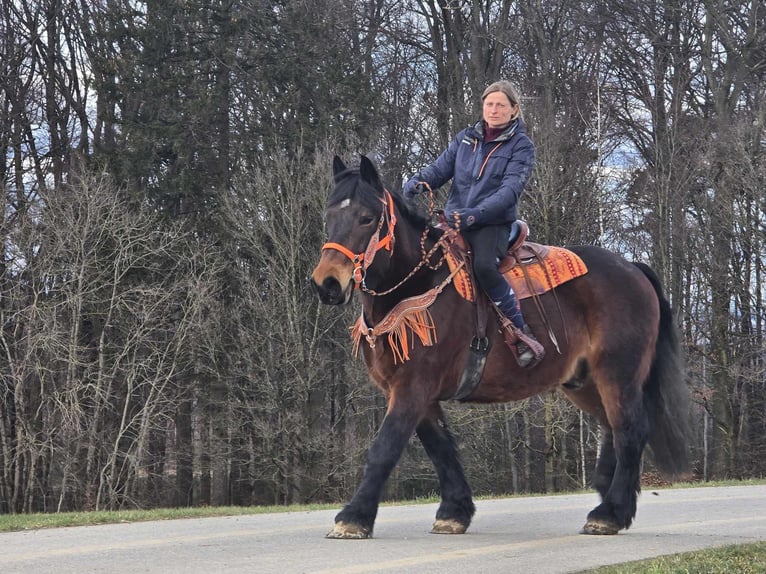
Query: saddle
x,y
529,268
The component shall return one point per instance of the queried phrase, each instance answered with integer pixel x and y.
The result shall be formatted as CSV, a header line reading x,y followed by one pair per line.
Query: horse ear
x,y
337,166
368,172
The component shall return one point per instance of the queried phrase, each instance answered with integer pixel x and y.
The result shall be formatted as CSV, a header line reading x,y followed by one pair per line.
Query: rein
x,y
364,259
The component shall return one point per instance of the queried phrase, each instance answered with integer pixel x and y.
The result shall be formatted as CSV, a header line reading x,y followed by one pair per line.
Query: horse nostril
x,y
330,292
331,288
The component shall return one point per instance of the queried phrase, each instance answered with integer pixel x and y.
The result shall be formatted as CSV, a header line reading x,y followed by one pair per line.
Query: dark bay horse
x,y
618,360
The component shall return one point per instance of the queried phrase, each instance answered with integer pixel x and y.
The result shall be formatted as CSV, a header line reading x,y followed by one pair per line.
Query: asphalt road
x,y
535,535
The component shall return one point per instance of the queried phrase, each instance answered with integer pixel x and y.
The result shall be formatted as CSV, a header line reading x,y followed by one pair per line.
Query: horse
x,y
618,359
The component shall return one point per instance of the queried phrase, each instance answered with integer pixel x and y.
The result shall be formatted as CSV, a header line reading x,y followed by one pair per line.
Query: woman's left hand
x,y
462,219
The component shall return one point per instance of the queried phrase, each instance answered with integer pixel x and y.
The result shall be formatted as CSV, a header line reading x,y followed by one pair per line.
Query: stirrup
x,y
526,349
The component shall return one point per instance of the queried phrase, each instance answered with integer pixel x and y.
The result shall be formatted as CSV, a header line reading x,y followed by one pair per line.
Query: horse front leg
x,y
357,518
456,508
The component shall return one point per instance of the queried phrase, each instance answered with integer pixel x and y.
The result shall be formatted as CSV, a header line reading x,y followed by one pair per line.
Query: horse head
x,y
360,222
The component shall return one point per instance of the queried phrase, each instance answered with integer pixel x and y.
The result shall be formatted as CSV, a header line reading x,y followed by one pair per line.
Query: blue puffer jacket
x,y
488,177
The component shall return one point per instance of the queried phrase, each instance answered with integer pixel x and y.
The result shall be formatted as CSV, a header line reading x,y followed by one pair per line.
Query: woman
x,y
489,164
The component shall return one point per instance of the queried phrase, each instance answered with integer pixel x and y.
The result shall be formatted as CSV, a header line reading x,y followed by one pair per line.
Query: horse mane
x,y
350,185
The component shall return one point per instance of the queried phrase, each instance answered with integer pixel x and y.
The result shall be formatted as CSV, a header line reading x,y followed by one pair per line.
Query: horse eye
x,y
366,220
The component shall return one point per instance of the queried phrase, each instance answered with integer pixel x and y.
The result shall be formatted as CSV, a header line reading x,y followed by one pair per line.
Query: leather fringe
x,y
401,335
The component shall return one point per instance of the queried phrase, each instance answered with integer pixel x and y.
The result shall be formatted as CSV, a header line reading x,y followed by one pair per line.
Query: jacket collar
x,y
478,128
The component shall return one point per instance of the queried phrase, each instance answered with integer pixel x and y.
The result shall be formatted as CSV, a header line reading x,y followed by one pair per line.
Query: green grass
x,y
740,559
13,522
700,484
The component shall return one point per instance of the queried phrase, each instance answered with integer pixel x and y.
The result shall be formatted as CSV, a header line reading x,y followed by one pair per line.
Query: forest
x,y
165,169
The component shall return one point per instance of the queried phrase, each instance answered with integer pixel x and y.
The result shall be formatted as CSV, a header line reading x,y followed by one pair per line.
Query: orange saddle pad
x,y
536,269
541,269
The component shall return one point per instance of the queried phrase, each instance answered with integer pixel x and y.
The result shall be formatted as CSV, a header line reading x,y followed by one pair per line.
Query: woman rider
x,y
489,164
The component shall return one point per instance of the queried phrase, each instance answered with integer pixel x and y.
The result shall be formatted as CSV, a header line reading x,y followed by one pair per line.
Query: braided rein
x,y
425,256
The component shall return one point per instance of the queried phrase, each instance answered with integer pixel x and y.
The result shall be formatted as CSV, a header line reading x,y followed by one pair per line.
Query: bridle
x,y
410,316
364,259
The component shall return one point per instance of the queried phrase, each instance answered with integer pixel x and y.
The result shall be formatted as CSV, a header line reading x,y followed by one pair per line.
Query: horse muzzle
x,y
331,292
333,279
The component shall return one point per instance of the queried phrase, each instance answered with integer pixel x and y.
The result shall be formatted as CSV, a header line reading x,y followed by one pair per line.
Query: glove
x,y
462,219
412,188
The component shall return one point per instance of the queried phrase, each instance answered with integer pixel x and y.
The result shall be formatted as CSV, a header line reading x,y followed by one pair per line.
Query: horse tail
x,y
666,396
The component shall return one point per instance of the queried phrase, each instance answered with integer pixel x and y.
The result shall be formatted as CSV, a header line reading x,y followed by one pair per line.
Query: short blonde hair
x,y
510,91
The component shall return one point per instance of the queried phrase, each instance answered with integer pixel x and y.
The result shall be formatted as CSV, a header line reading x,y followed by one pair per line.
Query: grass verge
x,y
742,559
14,522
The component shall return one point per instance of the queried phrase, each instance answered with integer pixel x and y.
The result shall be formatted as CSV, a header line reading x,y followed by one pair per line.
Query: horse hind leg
x,y
618,506
629,431
457,507
606,464
581,390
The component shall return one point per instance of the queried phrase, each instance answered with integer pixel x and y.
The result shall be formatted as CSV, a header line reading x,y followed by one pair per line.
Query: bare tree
x,y
94,344
732,51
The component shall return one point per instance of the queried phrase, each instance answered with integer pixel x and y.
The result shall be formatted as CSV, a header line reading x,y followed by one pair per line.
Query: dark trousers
x,y
489,245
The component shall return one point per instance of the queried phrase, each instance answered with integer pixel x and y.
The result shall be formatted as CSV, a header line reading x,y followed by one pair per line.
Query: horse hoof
x,y
349,531
442,526
599,527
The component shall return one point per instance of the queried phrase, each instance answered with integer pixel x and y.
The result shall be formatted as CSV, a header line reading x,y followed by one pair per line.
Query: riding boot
x,y
517,334
531,352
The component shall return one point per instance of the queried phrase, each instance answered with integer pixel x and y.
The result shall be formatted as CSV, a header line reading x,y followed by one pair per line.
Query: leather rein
x,y
363,260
